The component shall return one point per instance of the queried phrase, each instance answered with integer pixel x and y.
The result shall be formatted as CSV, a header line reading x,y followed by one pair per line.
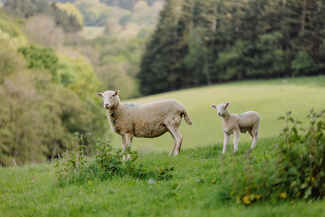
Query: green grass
x,y
33,190
200,171
270,98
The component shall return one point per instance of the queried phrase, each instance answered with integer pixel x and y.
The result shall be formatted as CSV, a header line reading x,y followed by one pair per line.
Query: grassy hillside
x,y
195,189
199,182
270,98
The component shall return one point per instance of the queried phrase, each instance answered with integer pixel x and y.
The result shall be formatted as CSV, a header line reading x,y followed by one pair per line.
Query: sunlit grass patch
x,y
267,97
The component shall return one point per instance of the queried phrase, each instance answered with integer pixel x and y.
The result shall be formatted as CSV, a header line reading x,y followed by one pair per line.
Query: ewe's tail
x,y
187,118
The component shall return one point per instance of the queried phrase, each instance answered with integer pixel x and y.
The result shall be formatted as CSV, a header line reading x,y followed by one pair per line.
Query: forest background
x,y
55,55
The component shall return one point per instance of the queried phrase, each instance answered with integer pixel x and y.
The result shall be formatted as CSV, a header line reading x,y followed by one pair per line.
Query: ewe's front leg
x,y
128,139
236,139
123,147
225,142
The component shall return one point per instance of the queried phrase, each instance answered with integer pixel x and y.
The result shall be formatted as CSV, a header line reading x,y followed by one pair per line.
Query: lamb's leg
x,y
236,139
255,137
251,134
225,142
123,147
128,139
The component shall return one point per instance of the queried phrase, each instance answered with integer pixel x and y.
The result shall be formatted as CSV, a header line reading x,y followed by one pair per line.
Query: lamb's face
x,y
110,98
221,108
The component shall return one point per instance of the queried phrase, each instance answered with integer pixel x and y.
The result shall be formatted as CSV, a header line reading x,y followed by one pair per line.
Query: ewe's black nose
x,y
106,105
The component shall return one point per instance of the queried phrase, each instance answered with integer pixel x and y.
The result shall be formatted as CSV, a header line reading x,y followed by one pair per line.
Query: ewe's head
x,y
221,108
110,98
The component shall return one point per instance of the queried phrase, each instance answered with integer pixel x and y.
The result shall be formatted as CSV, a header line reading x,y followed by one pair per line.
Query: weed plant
x,y
76,167
298,172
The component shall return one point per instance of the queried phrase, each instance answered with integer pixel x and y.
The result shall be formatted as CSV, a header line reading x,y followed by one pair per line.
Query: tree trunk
x,y
214,18
303,17
207,74
54,151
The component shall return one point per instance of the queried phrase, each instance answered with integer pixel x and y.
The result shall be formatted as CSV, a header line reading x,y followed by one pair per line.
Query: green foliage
x,y
303,63
66,73
301,163
298,171
25,9
44,100
41,58
106,164
6,25
94,13
242,40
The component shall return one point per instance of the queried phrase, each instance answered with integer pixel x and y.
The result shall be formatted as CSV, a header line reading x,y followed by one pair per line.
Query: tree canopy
x,y
203,42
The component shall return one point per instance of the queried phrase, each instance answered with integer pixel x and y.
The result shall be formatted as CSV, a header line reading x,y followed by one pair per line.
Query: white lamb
x,y
236,124
144,120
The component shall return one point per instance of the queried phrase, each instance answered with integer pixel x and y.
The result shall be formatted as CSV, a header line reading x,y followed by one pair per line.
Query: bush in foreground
x,y
298,172
75,167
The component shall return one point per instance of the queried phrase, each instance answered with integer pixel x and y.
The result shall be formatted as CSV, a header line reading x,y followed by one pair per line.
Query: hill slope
x,y
270,98
195,189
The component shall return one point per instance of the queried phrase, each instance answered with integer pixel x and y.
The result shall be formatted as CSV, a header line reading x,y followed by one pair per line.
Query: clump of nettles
x,y
301,163
297,173
76,167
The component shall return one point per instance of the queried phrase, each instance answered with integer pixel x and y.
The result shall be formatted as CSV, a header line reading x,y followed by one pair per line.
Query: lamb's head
x,y
111,98
221,108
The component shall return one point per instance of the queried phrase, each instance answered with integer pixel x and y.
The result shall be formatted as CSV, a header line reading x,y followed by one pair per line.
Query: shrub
x,y
107,163
297,173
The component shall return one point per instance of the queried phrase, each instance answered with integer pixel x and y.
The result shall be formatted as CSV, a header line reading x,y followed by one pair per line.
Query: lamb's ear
x,y
117,92
213,106
99,95
227,104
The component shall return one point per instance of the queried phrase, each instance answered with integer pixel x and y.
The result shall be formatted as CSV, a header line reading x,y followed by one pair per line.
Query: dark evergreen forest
x,y
205,42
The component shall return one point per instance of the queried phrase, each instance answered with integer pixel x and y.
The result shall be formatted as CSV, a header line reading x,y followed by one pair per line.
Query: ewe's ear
x,y
117,92
213,106
99,95
227,104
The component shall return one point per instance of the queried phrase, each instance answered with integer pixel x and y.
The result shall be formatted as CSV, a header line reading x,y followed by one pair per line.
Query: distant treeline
x,y
45,97
25,9
203,42
126,4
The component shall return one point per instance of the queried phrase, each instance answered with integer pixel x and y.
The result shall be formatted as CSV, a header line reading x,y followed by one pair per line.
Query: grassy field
x,y
200,172
194,189
270,98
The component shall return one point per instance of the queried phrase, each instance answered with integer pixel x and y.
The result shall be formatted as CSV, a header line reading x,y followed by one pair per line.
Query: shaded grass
x,y
196,188
270,98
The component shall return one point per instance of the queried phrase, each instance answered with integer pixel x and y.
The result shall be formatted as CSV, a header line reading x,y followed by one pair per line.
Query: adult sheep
x,y
147,120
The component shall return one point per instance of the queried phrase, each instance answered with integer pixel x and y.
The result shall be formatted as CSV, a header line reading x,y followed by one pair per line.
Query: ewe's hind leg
x,y
255,136
173,126
179,140
175,143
